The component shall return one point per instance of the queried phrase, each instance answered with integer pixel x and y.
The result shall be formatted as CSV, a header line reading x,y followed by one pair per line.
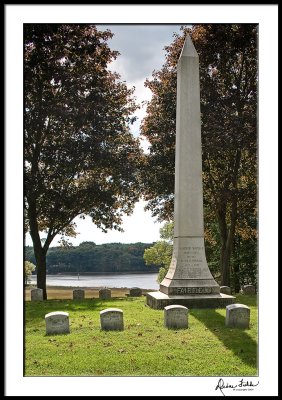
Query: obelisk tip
x,y
188,49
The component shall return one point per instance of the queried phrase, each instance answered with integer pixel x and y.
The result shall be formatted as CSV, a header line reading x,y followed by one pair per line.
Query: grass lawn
x,y
144,348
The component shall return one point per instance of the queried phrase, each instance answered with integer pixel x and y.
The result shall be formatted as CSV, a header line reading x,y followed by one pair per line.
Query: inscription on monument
x,y
192,290
190,257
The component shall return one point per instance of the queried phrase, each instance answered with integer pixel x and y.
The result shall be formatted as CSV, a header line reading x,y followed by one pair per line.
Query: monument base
x,y
159,300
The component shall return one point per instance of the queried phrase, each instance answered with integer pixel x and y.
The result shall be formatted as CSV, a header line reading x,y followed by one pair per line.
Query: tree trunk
x,y
221,217
40,257
236,268
227,240
225,262
39,251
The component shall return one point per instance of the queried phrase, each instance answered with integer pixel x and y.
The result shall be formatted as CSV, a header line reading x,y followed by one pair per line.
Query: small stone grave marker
x,y
111,319
176,317
78,294
135,292
225,289
248,289
237,316
36,294
57,322
105,294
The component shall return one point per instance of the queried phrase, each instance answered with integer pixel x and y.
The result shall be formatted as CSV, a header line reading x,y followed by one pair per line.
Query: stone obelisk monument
x,y
188,281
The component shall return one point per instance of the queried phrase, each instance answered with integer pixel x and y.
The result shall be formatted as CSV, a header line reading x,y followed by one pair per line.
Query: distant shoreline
x,y
102,273
54,287
122,282
90,288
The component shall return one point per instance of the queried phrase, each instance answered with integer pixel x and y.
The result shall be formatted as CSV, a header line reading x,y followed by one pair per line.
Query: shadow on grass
x,y
235,339
36,311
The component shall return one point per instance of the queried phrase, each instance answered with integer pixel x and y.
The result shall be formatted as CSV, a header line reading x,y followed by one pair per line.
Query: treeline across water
x,y
92,258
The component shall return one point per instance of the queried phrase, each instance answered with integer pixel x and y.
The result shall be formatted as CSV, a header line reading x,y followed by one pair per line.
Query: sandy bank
x,y
64,292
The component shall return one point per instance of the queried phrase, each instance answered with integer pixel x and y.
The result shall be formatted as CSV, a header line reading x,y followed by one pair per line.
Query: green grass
x,y
144,348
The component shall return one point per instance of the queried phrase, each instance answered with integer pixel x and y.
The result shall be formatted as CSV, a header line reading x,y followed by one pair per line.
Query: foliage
x,y
228,80
91,258
161,252
28,269
166,231
162,273
206,348
244,265
87,245
159,255
80,158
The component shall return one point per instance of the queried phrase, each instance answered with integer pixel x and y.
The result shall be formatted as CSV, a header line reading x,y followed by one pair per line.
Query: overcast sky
x,y
141,49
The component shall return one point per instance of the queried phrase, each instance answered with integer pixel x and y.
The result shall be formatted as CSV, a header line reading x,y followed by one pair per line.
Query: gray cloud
x,y
141,47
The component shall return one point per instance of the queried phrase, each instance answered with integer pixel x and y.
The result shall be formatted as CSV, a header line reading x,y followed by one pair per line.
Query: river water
x,y
143,281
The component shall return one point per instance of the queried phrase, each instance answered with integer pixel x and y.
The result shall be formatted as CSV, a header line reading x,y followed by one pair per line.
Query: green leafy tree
x,y
80,157
161,252
88,257
28,269
244,264
228,74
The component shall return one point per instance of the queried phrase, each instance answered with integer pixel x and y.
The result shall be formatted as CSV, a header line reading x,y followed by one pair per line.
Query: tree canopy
x,y
80,157
161,252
